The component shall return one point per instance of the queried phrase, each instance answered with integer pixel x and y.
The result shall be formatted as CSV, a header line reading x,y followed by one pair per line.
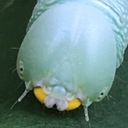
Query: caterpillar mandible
x,y
71,51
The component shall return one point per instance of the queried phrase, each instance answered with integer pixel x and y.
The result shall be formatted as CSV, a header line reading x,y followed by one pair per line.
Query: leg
x,y
86,113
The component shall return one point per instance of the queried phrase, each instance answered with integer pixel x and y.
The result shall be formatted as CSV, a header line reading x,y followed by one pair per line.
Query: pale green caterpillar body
x,y
72,49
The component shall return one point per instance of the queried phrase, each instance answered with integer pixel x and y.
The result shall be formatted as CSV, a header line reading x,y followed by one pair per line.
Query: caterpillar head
x,y
68,56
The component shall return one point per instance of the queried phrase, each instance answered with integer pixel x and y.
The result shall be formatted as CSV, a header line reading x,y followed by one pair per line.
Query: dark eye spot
x,y
21,69
102,93
21,74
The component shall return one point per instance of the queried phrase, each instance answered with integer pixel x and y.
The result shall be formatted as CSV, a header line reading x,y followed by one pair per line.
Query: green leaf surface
x,y
111,112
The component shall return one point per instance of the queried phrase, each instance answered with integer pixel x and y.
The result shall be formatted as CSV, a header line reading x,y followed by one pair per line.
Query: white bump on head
x,y
47,90
59,92
79,96
69,96
61,105
38,83
53,81
49,101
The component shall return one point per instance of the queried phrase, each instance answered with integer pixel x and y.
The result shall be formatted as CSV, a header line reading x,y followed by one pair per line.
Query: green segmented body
x,y
76,45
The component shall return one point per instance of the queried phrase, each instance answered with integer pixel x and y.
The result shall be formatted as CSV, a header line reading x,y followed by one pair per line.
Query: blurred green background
x,y
111,112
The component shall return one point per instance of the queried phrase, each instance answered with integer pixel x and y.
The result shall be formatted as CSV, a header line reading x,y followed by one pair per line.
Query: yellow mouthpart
x,y
41,95
75,103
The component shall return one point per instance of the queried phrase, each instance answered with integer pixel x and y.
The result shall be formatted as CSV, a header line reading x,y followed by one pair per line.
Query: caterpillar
x,y
71,51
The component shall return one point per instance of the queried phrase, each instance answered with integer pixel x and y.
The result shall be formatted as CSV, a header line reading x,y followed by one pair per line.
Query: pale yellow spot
x,y
75,103
40,94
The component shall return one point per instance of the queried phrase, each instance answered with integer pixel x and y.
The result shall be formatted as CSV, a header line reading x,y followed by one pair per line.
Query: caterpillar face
x,y
68,56
48,90
49,95
61,58
56,94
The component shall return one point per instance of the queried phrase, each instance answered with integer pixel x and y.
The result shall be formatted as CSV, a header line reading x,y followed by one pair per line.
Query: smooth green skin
x,y
30,113
116,11
79,43
65,43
